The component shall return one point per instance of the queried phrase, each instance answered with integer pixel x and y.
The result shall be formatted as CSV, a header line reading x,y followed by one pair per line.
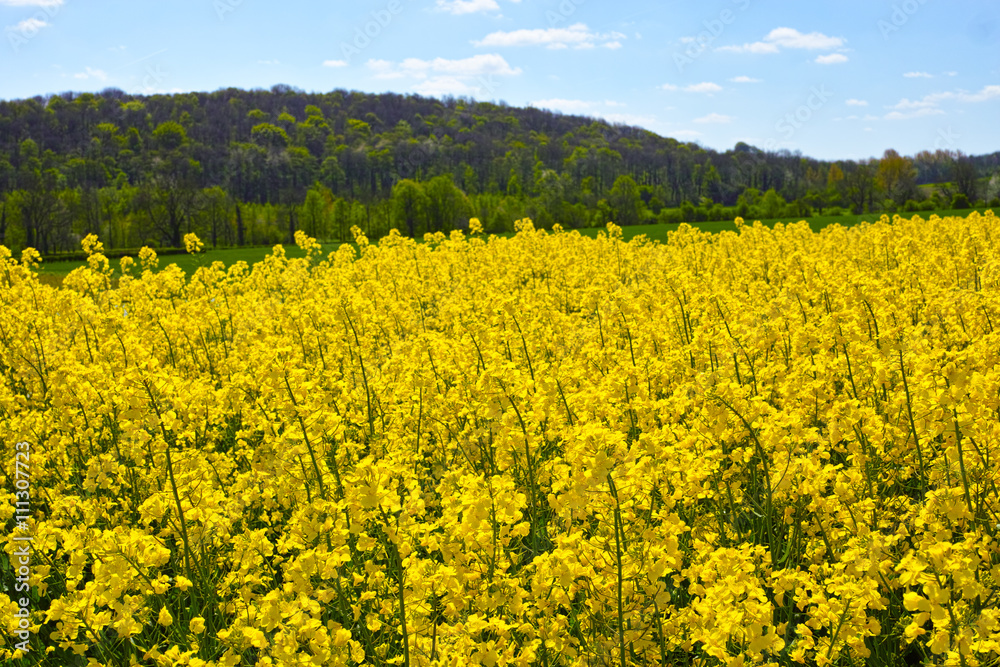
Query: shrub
x,y
670,216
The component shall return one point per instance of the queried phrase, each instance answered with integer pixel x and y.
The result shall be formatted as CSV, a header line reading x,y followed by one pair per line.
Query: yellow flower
x,y
91,245
192,243
256,637
30,258
147,257
742,439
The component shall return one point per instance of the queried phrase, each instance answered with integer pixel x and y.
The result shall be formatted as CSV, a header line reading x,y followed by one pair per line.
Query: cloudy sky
x,y
830,78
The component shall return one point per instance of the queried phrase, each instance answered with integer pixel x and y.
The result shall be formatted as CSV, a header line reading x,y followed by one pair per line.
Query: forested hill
x,y
252,166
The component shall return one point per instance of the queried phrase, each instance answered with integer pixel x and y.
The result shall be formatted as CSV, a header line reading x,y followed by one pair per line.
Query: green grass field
x,y
52,272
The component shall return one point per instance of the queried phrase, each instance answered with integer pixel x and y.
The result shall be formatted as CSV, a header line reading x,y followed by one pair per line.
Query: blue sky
x,y
832,79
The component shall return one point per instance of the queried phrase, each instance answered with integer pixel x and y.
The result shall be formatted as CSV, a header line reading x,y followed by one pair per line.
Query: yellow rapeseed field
x,y
766,446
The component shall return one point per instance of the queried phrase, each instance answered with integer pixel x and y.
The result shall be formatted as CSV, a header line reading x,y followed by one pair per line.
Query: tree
x,y
269,136
167,198
318,202
169,136
213,204
626,201
772,205
38,199
896,176
964,175
409,204
860,186
445,203
240,227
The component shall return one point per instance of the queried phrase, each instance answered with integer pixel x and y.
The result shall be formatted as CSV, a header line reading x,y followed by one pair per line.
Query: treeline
x,y
251,167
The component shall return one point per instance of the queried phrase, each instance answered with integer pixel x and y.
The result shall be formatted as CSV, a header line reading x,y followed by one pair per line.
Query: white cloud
x,y
612,45
90,73
905,103
572,106
951,73
704,87
467,76
856,103
756,48
793,39
918,75
987,93
584,107
32,3
831,59
459,7
714,118
334,63
745,79
577,35
788,38
384,69
26,26
481,65
467,6
929,104
629,119
917,113
445,85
